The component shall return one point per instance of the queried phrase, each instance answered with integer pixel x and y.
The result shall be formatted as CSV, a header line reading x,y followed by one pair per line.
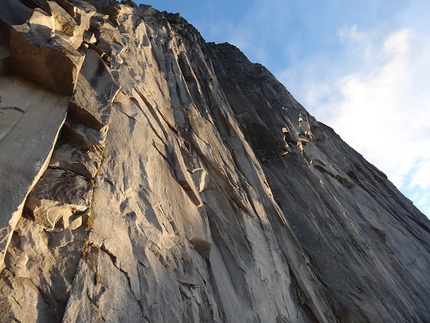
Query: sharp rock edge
x,y
149,176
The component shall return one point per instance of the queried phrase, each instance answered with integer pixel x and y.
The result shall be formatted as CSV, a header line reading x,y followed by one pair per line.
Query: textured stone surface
x,y
32,119
4,60
84,136
57,197
337,204
44,47
40,272
80,161
183,167
91,101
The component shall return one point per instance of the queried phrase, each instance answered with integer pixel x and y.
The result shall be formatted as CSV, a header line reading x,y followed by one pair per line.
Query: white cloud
x,y
356,42
382,115
421,176
382,109
398,42
423,200
350,33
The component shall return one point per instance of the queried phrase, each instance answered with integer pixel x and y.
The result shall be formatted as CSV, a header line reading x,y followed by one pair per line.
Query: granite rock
x,y
57,198
188,186
31,120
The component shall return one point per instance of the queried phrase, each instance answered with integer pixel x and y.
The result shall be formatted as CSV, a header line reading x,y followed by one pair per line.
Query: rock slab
x,y
187,185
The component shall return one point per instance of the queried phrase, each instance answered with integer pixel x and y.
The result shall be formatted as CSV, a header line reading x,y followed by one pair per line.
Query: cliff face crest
x,y
149,176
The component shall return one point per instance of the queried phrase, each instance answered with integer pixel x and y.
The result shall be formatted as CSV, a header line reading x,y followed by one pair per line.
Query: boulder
x,y
44,47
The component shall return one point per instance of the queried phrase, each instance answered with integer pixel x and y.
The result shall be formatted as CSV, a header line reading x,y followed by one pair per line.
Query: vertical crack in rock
x,y
149,176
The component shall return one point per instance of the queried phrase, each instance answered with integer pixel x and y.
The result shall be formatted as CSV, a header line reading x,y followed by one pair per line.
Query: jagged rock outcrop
x,y
157,178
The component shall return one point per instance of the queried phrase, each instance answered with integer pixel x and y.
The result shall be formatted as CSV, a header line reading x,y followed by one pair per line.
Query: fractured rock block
x,y
57,197
63,22
95,90
44,46
185,180
332,173
26,147
42,56
202,246
81,12
89,37
317,133
381,233
186,68
104,45
287,136
78,160
81,135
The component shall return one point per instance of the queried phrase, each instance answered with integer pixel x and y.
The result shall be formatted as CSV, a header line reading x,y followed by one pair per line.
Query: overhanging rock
x,y
91,101
45,47
202,246
54,208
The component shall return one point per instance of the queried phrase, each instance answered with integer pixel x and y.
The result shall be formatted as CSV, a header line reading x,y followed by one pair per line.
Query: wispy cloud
x,y
382,109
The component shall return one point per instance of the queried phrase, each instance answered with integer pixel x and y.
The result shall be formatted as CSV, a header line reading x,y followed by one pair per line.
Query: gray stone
x,y
26,147
89,37
63,22
186,164
43,56
86,137
80,161
59,195
202,246
4,60
44,265
91,101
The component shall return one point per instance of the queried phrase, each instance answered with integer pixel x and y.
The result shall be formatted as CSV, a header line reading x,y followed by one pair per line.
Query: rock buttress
x,y
189,186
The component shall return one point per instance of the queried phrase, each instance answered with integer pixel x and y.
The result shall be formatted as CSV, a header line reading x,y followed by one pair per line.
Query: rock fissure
x,y
185,185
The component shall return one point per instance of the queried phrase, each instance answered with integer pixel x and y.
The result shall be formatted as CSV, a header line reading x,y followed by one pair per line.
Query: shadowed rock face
x,y
184,184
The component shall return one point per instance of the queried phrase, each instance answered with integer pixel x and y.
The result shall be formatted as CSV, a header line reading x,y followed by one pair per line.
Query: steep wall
x,y
154,198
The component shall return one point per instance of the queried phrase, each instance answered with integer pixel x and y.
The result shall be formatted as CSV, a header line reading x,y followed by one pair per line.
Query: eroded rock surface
x,y
31,118
186,185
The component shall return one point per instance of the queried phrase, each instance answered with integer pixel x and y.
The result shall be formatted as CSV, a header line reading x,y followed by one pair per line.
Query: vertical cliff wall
x,y
148,176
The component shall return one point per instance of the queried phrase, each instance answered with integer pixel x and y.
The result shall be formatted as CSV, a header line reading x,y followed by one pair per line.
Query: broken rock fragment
x,y
58,196
202,246
76,159
43,55
91,102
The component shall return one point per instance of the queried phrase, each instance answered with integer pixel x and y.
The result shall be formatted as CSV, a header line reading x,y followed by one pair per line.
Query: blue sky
x,y
362,67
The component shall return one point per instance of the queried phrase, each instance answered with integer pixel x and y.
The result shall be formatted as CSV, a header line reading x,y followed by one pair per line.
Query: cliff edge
x,y
149,176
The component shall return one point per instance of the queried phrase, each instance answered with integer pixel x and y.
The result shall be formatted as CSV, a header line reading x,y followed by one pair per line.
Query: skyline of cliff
x,y
150,176
359,68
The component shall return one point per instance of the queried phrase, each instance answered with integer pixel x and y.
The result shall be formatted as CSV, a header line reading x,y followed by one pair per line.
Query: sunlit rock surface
x,y
148,176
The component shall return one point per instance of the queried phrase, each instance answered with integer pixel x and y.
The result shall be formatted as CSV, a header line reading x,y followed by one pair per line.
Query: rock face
x,y
148,176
